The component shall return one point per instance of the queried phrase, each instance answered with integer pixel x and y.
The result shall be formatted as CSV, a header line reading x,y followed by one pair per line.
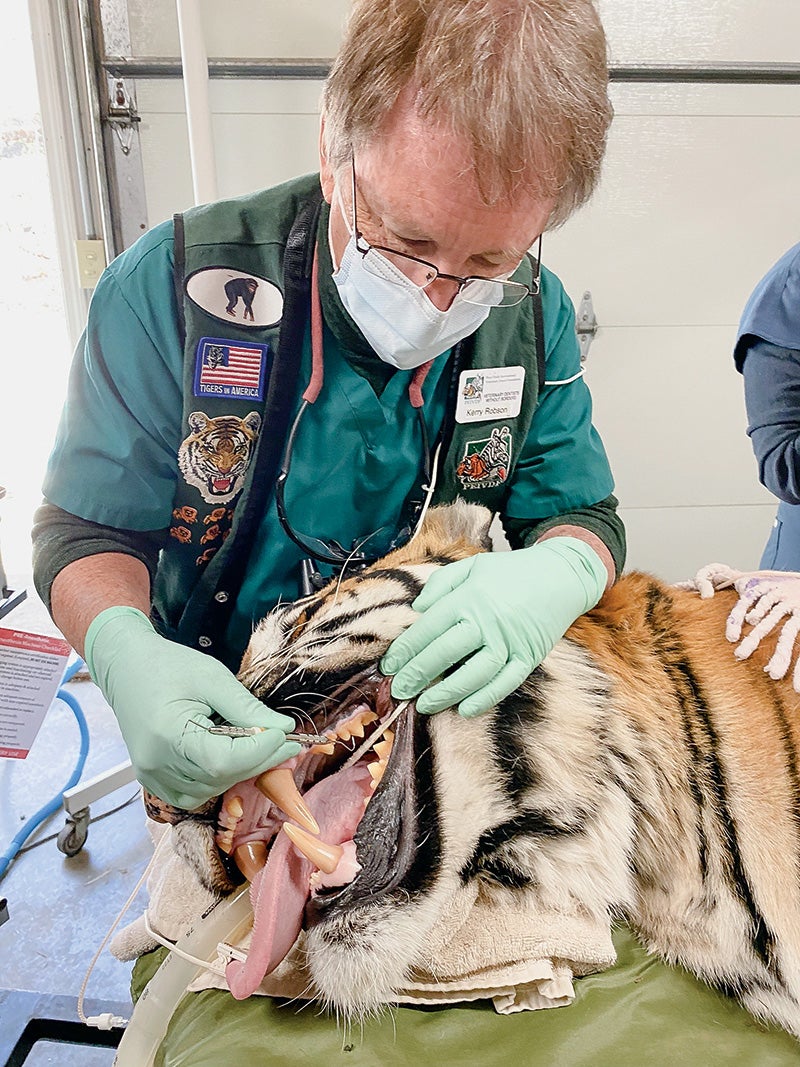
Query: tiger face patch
x,y
215,456
486,463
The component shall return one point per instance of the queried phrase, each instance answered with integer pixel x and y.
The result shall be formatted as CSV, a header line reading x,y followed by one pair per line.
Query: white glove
x,y
710,578
765,598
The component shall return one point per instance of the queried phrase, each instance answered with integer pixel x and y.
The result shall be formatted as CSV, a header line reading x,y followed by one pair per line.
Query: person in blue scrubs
x,y
450,141
767,354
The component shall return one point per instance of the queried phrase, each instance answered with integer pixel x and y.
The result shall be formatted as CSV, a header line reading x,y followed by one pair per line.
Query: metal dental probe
x,y
250,731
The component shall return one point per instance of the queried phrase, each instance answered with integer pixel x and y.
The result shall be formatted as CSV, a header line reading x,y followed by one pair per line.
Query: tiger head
x,y
392,822
215,456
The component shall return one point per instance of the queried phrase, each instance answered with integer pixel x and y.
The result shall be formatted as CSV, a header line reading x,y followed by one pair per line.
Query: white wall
x,y
698,198
696,203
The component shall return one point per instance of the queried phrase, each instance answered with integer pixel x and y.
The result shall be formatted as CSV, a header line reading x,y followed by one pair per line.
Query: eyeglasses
x,y
487,292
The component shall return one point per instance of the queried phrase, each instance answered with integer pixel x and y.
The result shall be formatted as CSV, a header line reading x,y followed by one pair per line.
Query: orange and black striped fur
x,y
641,772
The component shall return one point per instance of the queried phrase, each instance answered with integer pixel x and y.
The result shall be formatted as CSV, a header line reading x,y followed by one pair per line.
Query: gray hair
x,y
524,83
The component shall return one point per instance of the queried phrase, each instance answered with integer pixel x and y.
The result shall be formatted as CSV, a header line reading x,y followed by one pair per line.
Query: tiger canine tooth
x,y
323,855
250,858
278,785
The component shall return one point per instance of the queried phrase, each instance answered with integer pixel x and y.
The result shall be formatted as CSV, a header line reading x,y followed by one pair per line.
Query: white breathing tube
x,y
226,921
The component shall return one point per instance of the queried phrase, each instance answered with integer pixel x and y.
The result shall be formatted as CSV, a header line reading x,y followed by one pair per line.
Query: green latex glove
x,y
156,688
504,610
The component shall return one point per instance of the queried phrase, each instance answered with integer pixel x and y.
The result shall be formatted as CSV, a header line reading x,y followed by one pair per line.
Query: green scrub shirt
x,y
357,455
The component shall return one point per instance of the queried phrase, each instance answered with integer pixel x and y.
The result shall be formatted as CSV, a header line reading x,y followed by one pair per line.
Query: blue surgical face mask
x,y
396,317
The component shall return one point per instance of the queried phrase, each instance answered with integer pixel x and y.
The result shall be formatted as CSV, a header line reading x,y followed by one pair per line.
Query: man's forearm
x,y
590,539
88,586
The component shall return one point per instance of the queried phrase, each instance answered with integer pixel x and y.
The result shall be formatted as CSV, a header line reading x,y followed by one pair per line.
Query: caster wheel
x,y
72,838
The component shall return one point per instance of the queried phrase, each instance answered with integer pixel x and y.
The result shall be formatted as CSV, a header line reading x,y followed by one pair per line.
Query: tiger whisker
x,y
356,549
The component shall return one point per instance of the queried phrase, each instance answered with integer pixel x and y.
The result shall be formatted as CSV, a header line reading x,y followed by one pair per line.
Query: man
x,y
180,488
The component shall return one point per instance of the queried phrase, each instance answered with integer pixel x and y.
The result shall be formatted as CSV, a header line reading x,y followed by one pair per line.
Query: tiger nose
x,y
224,461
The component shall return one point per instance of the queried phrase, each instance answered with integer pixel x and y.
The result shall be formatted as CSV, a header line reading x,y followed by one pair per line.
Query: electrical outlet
x,y
91,262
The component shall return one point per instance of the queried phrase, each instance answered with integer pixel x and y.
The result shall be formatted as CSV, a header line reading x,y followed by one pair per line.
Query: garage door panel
x,y
243,28
674,31
229,96
681,229
279,146
674,543
669,406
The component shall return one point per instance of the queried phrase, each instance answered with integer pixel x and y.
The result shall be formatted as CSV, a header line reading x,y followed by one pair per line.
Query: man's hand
x,y
160,691
504,611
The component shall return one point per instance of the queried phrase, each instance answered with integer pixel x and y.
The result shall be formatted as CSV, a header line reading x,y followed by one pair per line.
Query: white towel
x,y
484,948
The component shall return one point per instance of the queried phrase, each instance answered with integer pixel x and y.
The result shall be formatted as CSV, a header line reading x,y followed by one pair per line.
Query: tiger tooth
x,y
229,814
224,840
328,750
278,785
376,771
250,858
383,748
322,854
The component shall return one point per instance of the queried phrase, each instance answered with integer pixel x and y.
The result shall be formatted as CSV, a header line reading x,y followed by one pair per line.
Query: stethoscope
x,y
327,550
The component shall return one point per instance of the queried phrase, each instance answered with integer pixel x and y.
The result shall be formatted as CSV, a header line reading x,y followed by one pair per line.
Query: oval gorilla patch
x,y
233,296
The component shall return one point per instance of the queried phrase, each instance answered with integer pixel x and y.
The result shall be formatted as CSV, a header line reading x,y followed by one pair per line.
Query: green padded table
x,y
639,1012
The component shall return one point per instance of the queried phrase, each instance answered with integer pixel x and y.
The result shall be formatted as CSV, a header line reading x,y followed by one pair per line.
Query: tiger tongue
x,y
280,890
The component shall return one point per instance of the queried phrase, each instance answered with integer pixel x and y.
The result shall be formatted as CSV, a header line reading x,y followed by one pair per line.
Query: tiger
x,y
215,456
640,773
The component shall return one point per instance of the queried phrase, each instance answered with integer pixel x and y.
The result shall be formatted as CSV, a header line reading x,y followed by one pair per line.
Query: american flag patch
x,y
235,369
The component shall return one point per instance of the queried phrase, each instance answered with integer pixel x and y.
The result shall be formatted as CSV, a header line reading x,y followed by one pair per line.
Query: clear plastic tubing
x,y
226,921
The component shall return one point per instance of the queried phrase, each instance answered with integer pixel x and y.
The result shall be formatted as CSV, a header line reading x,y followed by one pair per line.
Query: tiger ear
x,y
456,530
461,521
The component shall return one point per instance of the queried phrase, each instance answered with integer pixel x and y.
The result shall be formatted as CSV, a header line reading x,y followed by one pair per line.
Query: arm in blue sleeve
x,y
772,396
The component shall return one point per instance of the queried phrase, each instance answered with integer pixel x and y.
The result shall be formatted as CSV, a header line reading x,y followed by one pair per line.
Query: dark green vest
x,y
242,277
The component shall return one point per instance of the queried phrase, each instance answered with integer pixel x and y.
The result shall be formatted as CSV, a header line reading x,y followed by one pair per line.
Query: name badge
x,y
491,393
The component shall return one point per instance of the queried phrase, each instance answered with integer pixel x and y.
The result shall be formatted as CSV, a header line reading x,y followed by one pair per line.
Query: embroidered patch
x,y
234,296
485,463
491,393
214,458
234,369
